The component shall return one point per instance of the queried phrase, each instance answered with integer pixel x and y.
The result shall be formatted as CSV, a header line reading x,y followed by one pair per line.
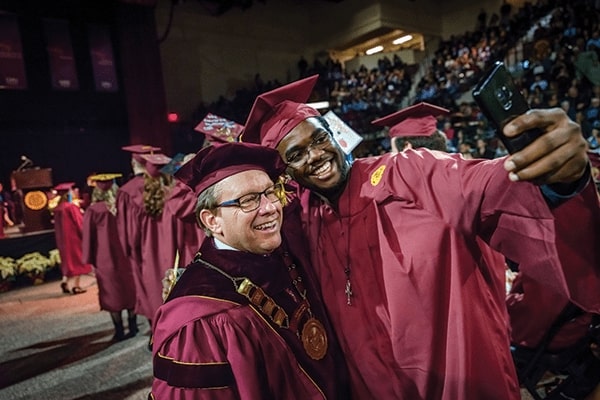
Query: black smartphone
x,y
500,101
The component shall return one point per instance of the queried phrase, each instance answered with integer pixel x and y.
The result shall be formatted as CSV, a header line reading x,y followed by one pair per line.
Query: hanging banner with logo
x,y
63,72
12,66
103,62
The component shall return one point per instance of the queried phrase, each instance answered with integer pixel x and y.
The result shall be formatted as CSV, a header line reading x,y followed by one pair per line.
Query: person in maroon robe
x,y
68,224
148,233
183,230
414,127
395,245
101,248
244,320
182,201
553,340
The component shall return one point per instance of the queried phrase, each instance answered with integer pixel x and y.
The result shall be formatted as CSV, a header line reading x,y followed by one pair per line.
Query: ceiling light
x,y
402,39
374,50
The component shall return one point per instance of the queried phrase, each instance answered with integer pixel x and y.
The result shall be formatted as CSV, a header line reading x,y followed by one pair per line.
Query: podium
x,y
34,184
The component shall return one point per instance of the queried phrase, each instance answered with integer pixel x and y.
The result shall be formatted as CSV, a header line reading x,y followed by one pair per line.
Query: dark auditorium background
x,y
178,58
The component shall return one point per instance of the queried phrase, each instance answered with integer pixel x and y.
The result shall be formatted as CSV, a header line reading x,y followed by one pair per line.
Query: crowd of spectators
x,y
558,67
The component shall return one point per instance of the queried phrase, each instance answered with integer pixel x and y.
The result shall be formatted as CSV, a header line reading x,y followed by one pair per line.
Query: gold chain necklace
x,y
313,334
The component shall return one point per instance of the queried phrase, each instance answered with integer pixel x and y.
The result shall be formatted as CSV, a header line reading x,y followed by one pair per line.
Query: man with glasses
x,y
395,246
244,320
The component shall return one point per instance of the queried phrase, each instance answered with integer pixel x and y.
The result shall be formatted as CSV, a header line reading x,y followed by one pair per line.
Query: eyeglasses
x,y
299,157
251,201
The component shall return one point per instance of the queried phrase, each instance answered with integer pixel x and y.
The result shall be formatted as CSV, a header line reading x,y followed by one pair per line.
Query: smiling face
x,y
256,231
326,169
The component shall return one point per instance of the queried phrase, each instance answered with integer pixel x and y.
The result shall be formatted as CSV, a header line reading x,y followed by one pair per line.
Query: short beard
x,y
332,193
336,191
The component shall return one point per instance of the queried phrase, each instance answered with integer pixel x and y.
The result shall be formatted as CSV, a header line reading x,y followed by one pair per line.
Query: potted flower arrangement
x,y
54,258
8,273
53,271
33,266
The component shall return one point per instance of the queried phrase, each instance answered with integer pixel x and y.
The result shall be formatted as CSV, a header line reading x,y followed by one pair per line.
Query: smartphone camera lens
x,y
504,95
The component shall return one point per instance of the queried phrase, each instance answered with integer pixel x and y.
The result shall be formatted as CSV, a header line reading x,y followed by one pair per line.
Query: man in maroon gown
x,y
102,249
244,321
552,339
414,127
395,243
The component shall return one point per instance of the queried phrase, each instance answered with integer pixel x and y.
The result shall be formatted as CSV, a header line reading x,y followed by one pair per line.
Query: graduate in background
x,y
101,248
414,127
68,224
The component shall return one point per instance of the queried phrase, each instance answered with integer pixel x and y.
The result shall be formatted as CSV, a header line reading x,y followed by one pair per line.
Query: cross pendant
x,y
348,292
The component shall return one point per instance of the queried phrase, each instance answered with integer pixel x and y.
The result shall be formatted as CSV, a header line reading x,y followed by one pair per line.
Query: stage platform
x,y
16,243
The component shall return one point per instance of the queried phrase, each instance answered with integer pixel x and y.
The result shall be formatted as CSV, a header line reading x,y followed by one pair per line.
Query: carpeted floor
x,y
58,346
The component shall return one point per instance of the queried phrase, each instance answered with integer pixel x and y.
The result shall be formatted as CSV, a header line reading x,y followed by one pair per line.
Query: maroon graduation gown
x,y
228,349
102,249
68,222
428,316
188,235
149,242
531,307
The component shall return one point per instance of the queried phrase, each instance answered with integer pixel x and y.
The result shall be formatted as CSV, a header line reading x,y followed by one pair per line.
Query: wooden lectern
x,y
34,184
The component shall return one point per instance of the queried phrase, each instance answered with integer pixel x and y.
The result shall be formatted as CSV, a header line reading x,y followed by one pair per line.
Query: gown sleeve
x,y
477,198
230,354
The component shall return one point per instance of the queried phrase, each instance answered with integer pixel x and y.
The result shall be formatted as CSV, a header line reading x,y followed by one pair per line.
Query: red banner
x,y
12,66
103,62
63,72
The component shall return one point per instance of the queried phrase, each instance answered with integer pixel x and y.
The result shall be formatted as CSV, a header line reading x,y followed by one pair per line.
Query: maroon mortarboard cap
x,y
61,187
154,162
274,114
219,161
219,129
138,149
417,120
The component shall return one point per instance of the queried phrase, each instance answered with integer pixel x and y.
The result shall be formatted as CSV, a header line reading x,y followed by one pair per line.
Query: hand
x,y
557,156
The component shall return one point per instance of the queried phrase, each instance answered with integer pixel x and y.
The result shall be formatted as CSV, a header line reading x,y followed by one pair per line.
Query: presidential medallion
x,y
314,339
